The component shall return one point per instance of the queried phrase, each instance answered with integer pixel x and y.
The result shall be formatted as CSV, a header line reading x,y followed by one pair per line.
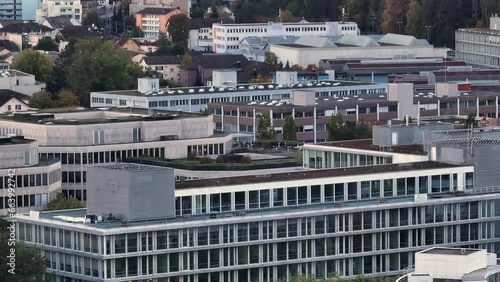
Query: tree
x,y
289,132
47,44
261,79
63,203
30,266
135,32
287,66
42,100
66,99
178,29
214,14
163,45
186,60
92,18
265,131
197,11
88,62
394,12
450,17
33,62
271,59
358,10
336,122
285,17
471,121
414,22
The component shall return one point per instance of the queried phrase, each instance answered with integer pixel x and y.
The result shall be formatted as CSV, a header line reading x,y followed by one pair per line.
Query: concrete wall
x,y
132,192
431,136
449,266
13,155
404,135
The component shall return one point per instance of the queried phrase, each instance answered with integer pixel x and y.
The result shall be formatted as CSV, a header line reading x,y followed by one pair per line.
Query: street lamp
x,y
399,26
373,25
428,32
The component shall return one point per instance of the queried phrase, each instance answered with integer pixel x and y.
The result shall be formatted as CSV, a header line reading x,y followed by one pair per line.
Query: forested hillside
x,y
408,16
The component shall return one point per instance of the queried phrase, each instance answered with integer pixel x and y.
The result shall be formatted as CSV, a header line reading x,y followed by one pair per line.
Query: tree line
x,y
433,19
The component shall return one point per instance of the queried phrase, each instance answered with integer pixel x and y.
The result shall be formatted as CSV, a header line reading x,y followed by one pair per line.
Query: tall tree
x,y
178,28
394,16
92,18
450,16
265,130
47,44
66,99
33,62
414,23
289,131
163,45
358,10
187,60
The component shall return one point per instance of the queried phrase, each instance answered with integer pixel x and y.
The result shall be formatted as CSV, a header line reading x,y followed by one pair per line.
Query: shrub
x,y
246,160
219,160
206,160
193,155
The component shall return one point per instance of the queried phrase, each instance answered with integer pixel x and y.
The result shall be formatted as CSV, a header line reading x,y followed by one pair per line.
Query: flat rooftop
x,y
131,167
14,140
255,87
366,144
312,174
471,141
70,116
450,251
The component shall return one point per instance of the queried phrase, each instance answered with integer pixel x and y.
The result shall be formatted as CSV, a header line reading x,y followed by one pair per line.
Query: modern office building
x,y
479,46
227,37
33,182
350,221
80,138
312,116
453,264
225,89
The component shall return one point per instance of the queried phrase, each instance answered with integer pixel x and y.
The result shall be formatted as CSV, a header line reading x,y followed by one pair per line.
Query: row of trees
x,y
437,19
85,65
338,129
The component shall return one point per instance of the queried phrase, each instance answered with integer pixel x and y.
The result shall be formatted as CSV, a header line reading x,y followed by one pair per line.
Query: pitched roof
x,y
220,61
84,31
156,11
5,23
162,60
59,22
6,95
25,27
198,23
9,45
119,41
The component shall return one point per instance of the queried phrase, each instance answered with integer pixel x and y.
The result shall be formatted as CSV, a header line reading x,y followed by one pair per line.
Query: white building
x,y
35,181
227,37
20,81
309,50
11,101
454,264
56,8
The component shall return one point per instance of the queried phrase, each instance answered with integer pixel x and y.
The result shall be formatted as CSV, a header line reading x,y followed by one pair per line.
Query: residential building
x,y
479,46
200,33
126,43
82,138
11,101
227,36
154,21
167,67
195,99
223,13
35,181
453,264
21,82
138,5
80,32
356,102
25,34
310,50
56,8
59,23
355,221
11,10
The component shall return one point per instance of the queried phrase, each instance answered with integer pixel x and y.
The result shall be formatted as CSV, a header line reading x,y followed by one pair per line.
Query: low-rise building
x,y
154,21
82,138
200,33
25,34
479,46
21,82
126,43
167,67
11,101
32,182
227,36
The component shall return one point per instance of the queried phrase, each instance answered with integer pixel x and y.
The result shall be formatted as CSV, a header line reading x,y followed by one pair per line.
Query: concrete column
x,y
477,106
357,113
378,112
496,107
271,116
238,119
222,117
336,110
254,126
314,124
458,106
293,113
439,108
190,109
399,112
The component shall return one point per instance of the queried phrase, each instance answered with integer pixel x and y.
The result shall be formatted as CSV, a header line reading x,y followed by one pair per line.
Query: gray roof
x,y
399,39
481,274
315,41
162,60
449,251
357,40
132,167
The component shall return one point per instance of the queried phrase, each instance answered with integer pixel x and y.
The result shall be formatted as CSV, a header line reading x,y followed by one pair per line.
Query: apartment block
x,y
33,181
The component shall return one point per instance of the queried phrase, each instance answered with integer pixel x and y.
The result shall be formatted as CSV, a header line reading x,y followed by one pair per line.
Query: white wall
x,y
13,103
